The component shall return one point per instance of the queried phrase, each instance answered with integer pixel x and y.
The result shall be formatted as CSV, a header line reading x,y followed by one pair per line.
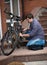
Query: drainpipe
x,y
18,8
11,8
22,9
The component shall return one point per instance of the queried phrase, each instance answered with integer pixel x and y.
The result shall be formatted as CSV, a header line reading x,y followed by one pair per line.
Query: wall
x,y
3,18
31,4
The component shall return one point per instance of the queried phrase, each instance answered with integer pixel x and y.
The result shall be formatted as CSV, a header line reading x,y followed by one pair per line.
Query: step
x,y
45,30
44,13
45,36
44,26
43,23
24,55
42,17
43,20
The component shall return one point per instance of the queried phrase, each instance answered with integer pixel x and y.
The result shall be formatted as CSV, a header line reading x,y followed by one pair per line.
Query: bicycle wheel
x,y
8,43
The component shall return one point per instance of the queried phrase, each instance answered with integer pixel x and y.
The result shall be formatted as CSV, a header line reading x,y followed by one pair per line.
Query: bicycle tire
x,y
2,44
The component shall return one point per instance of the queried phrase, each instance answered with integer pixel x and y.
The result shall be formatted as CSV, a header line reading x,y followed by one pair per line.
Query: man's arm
x,y
31,33
24,35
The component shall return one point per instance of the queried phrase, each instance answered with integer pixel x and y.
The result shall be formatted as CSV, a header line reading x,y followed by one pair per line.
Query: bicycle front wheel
x,y
8,43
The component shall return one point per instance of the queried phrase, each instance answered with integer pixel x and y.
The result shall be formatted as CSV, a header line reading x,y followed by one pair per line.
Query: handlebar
x,y
18,18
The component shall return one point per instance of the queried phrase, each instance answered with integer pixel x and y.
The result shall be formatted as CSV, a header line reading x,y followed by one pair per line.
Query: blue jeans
x,y
36,42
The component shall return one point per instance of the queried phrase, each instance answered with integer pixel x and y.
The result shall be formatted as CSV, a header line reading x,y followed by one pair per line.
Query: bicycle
x,y
11,38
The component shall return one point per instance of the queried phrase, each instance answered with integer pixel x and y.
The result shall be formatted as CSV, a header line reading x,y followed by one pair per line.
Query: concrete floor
x,y
24,51
23,55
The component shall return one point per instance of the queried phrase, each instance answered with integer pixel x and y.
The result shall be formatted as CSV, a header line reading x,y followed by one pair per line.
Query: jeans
x,y
36,42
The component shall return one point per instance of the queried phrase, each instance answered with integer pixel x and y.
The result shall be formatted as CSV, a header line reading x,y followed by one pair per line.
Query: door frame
x,y
0,26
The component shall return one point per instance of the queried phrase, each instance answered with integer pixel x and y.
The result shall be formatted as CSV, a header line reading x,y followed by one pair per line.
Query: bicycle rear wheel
x,y
8,43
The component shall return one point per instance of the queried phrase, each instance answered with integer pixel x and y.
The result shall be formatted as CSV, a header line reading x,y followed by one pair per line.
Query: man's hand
x,y
20,34
23,35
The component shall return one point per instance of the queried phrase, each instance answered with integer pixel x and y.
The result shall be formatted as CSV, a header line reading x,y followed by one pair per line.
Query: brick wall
x,y
31,4
3,18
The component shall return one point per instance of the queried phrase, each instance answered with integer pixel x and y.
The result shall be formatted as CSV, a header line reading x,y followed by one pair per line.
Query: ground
x,y
29,57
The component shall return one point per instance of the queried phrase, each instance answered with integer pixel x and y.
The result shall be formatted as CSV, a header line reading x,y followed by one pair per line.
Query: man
x,y
34,34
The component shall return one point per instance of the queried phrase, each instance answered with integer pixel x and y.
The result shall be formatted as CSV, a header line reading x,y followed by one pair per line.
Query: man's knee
x,y
35,44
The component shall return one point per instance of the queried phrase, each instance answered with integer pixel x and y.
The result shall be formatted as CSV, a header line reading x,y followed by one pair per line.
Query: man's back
x,y
36,30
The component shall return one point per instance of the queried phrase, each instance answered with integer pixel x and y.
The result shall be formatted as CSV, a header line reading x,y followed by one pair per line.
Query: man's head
x,y
29,18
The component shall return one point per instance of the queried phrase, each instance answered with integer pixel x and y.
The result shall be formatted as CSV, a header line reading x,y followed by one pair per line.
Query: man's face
x,y
29,20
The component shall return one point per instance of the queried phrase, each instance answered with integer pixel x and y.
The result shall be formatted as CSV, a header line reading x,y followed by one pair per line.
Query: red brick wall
x,y
4,27
30,4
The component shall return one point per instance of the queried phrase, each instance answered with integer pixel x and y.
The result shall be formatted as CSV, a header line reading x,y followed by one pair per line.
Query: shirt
x,y
36,30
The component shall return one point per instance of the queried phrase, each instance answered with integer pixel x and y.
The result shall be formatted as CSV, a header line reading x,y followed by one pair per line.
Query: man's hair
x,y
29,16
